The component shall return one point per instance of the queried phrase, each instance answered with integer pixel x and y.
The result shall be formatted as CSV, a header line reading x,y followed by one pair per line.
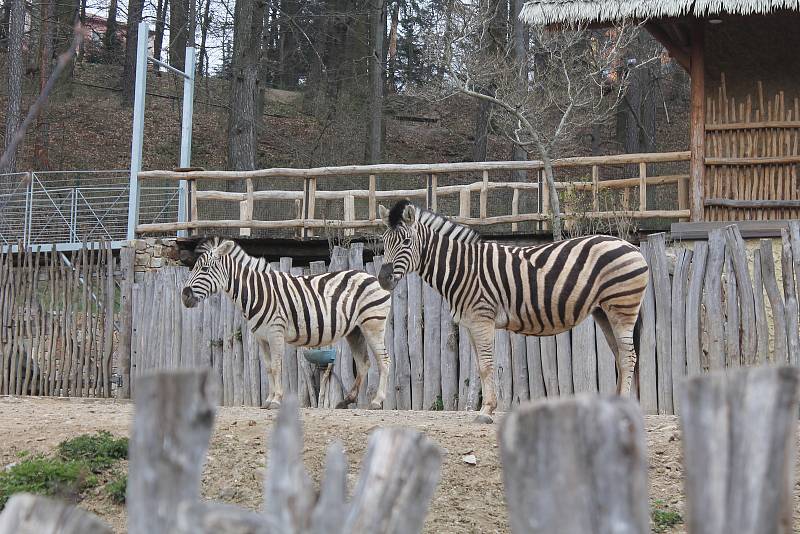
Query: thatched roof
x,y
586,11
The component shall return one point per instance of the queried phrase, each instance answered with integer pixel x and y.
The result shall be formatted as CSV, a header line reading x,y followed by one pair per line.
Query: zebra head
x,y
401,243
209,273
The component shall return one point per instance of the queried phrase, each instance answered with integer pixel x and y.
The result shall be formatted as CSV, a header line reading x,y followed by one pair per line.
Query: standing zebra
x,y
540,291
305,311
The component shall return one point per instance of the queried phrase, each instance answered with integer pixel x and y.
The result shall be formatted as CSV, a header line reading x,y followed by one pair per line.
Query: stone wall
x,y
153,253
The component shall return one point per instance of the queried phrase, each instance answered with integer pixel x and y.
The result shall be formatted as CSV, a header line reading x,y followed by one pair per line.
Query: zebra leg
x,y
623,324
482,336
601,320
375,330
358,348
267,360
276,343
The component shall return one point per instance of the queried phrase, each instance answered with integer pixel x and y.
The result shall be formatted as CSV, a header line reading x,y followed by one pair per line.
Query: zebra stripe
x,y
307,311
540,290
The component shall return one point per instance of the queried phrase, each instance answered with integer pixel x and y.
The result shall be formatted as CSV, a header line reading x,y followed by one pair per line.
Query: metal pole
x,y
186,133
137,139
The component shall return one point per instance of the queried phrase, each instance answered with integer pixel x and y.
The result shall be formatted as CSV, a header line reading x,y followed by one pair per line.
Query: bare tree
x,y
45,63
131,38
178,32
543,98
376,81
15,65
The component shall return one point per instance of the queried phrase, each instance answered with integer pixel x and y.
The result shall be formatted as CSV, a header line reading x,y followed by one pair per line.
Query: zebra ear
x,y
383,212
410,214
224,248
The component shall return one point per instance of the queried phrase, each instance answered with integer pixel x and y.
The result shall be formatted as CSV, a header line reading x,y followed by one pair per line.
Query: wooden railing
x,y
306,217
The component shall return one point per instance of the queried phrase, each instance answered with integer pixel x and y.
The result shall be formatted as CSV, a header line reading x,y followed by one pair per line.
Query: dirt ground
x,y
468,498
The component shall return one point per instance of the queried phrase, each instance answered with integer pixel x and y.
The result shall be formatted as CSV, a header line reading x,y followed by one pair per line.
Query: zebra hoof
x,y
343,405
483,419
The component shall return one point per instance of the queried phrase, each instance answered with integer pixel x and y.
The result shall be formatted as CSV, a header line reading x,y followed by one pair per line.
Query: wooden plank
x,y
733,354
694,295
515,209
762,331
564,362
648,394
680,283
390,403
469,379
464,207
550,365
503,380
449,357
592,445
713,300
535,373
642,187
205,516
520,381
606,363
584,361
662,291
401,311
739,433
414,341
174,416
349,212
697,115
744,286
755,125
25,513
432,348
484,195
789,290
596,187
780,350
372,204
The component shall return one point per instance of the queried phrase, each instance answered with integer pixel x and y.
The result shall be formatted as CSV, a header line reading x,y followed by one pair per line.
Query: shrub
x,y
45,476
98,451
116,489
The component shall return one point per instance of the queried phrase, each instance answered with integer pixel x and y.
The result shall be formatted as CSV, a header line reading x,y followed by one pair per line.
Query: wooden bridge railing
x,y
307,217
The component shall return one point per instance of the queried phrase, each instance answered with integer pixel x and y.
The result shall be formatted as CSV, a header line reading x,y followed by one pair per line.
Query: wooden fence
x,y
569,466
57,322
307,218
704,310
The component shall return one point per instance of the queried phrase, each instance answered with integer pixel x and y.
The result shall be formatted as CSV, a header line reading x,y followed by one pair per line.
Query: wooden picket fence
x,y
57,322
701,312
569,466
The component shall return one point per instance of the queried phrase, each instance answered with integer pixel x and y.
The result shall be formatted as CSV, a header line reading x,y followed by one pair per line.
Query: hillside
x,y
90,129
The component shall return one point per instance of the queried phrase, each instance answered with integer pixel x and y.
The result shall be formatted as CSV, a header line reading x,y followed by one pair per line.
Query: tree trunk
x,y
376,70
392,60
242,119
519,52
287,68
178,32
110,42
202,63
479,146
45,62
161,22
555,205
15,63
129,70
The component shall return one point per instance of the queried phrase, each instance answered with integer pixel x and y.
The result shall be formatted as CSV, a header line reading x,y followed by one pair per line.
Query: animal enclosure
x,y
705,309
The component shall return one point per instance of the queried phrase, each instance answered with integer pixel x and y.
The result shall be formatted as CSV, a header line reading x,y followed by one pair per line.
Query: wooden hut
x,y
742,57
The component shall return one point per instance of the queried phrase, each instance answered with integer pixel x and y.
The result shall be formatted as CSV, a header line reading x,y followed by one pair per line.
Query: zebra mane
x,y
447,228
238,254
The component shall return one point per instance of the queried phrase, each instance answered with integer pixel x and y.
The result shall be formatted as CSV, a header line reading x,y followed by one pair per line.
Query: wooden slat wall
x,y
760,126
57,323
692,321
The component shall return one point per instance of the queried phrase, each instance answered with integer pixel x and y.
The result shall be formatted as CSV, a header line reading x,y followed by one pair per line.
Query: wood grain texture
x,y
662,290
25,513
694,297
713,299
648,393
415,340
744,289
533,351
680,281
577,449
780,346
432,347
762,329
550,365
520,382
739,450
503,380
584,361
449,358
401,312
789,291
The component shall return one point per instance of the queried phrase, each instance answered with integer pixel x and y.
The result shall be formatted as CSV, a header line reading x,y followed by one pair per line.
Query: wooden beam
x,y
676,51
697,143
759,204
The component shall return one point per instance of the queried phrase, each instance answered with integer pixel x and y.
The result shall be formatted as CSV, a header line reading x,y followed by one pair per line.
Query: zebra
x,y
538,290
304,311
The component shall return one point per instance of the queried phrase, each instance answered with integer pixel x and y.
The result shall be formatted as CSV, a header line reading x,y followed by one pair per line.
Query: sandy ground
x,y
468,498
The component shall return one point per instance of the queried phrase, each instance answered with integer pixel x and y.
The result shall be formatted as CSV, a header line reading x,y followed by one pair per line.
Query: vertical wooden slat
x,y
584,359
515,208
193,212
484,194
744,285
535,373
520,381
469,381
349,212
464,202
648,395
372,203
787,274
502,369
564,361
595,188
246,208
449,358
431,361
680,278
414,341
663,294
643,187
713,299
401,313
780,352
694,295
697,119
732,321
550,365
762,331
433,192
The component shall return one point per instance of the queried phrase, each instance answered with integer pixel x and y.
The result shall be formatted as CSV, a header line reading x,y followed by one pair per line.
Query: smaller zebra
x,y
304,311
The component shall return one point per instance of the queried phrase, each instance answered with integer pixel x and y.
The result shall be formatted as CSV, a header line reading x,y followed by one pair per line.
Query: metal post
x,y
186,133
137,139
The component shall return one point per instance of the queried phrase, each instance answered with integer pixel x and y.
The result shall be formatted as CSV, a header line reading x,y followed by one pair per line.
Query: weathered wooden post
x,y
171,431
33,514
575,465
739,450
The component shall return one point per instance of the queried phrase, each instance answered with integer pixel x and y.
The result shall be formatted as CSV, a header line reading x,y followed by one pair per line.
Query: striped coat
x,y
541,291
305,311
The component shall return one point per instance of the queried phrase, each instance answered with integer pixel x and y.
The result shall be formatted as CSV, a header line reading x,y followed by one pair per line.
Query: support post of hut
x,y
697,114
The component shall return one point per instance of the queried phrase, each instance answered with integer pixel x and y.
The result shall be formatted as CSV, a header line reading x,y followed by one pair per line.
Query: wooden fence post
x,y
694,296
25,513
679,336
744,286
432,349
739,450
414,341
648,395
127,256
780,353
713,299
789,290
662,291
171,430
562,457
246,209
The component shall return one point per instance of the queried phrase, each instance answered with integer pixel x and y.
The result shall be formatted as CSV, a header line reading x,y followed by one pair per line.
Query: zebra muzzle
x,y
386,277
188,298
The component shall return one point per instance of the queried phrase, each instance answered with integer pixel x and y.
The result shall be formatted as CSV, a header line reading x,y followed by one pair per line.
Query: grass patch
x,y
68,472
45,476
116,489
663,517
99,451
